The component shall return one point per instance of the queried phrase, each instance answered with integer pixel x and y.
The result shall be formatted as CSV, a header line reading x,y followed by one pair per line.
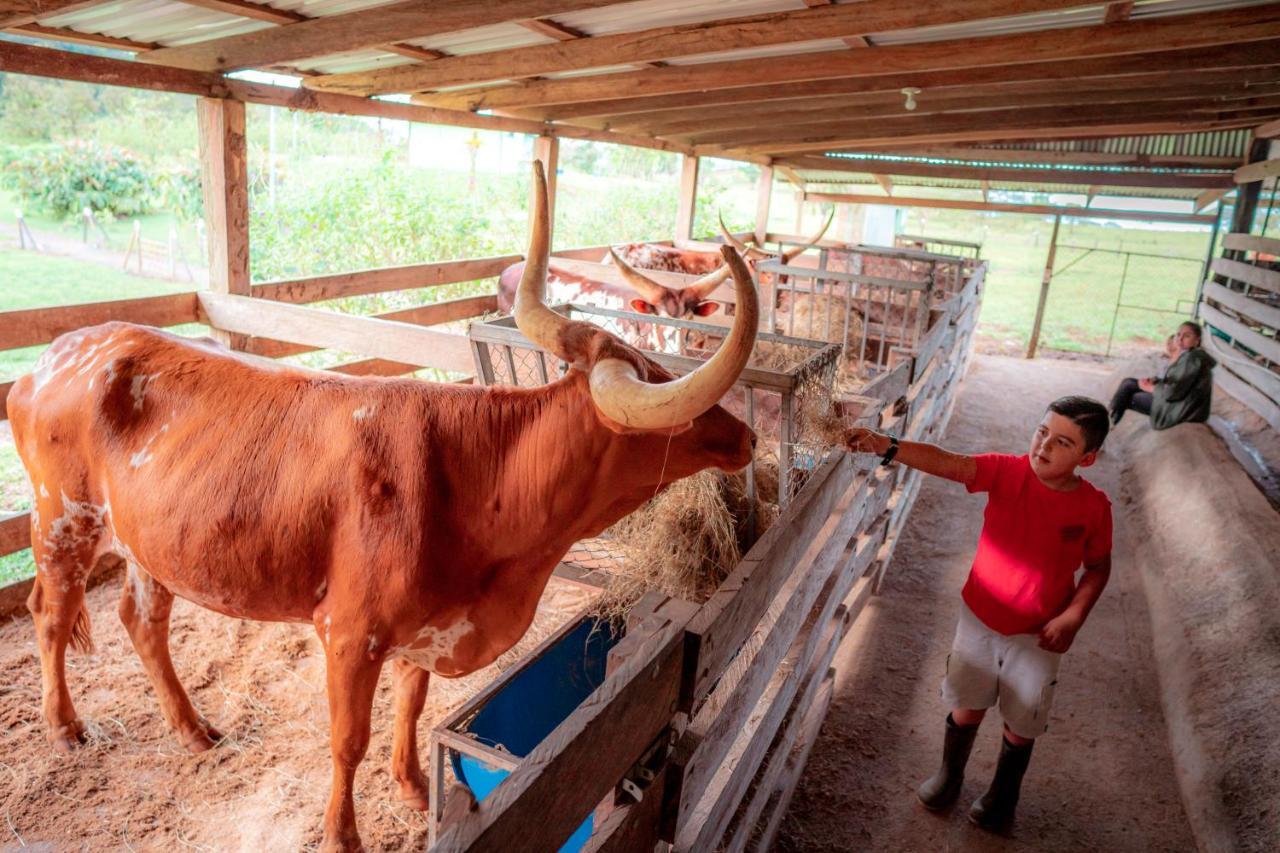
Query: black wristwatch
x,y
891,452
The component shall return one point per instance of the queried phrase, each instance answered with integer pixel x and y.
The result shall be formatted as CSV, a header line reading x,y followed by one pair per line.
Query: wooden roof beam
x,y
1167,35
793,113
70,36
1005,121
17,13
1208,197
394,23
1229,64
284,17
560,32
682,40
1117,12
1075,158
1140,127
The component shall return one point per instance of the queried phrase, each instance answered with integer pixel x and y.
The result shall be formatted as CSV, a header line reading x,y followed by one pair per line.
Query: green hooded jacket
x,y
1185,391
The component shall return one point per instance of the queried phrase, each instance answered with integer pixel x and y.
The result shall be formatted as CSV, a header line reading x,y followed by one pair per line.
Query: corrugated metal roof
x,y
647,14
1217,143
848,179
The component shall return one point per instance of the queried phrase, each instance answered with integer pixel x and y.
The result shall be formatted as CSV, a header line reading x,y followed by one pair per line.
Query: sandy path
x,y
1101,779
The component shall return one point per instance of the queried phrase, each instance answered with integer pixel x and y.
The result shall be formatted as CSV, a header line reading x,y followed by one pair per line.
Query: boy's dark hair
x,y
1195,327
1088,414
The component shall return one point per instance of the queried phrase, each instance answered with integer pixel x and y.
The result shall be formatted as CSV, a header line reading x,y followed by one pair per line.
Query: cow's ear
x,y
641,307
706,309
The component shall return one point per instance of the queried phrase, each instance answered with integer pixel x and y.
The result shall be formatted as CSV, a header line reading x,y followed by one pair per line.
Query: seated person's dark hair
x,y
1195,327
1088,414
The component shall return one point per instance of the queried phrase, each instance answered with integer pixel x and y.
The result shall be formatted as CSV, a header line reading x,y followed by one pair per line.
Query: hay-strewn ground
x,y
1101,779
134,788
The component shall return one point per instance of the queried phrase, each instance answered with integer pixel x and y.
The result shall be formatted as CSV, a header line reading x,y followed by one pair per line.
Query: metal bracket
x,y
636,781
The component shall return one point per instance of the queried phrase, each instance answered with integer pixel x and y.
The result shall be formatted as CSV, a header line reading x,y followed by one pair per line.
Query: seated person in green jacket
x,y
1181,395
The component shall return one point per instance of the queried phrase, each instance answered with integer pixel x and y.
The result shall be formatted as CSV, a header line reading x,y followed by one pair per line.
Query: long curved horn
x,y
621,395
787,256
703,287
752,252
650,290
534,319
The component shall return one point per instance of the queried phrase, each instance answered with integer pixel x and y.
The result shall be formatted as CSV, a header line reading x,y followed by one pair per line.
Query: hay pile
x,y
687,540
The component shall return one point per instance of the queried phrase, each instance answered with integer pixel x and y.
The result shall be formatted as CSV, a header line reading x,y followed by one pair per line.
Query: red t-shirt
x,y
1033,540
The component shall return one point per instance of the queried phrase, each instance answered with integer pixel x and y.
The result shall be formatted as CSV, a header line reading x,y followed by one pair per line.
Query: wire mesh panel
x,y
869,316
784,373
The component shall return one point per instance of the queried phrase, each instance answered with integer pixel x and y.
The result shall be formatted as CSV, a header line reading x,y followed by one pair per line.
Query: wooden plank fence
x,y
1240,307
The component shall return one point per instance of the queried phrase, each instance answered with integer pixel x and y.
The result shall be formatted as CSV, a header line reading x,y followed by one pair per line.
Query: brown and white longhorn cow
x,y
407,521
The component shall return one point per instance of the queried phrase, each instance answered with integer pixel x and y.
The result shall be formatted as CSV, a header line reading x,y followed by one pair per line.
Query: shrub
x,y
67,177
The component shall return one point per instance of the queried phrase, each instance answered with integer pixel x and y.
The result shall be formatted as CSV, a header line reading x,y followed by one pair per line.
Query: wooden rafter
x,y
15,13
1227,64
1086,177
397,22
676,41
791,114
1129,127
561,32
284,17
1208,197
1007,122
1170,34
1269,130
71,36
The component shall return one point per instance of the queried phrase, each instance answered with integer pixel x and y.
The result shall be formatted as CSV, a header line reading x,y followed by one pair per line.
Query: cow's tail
x,y
82,632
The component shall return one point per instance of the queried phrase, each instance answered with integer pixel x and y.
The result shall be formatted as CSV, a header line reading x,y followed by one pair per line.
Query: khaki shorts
x,y
986,668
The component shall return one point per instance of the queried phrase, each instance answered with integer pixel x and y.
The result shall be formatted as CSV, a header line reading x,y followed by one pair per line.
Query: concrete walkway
x,y
1101,779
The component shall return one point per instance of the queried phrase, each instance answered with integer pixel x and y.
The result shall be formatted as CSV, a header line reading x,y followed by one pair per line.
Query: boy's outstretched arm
x,y
928,458
1060,631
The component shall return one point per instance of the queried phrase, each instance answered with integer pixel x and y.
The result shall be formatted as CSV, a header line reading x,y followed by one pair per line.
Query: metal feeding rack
x,y
869,316
786,378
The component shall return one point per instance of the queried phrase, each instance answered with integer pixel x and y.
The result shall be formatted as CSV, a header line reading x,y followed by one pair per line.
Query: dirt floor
x,y
264,788
1102,778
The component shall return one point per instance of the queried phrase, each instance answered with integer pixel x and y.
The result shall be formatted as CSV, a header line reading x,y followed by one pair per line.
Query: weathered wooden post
x,y
764,194
225,183
688,197
1044,288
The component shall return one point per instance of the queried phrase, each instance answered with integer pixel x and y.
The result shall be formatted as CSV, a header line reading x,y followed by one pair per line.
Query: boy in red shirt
x,y
1022,606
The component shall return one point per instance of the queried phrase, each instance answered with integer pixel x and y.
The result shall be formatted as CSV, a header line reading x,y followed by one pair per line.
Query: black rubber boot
x,y
994,810
941,790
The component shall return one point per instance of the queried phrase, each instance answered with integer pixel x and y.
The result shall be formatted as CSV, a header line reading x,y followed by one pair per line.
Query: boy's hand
x,y
1059,632
1148,384
863,440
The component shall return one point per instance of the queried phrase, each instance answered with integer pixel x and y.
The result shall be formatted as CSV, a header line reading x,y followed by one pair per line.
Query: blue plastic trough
x,y
532,704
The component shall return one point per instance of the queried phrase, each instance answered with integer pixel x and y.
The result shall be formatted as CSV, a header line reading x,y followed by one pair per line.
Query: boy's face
x,y
1057,448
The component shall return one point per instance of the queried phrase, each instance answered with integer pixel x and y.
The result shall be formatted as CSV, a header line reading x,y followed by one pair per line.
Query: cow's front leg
x,y
352,678
411,694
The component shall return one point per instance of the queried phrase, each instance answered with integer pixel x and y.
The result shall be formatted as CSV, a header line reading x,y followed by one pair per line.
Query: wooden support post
x,y
1247,193
1044,289
225,181
1208,261
547,149
688,197
764,194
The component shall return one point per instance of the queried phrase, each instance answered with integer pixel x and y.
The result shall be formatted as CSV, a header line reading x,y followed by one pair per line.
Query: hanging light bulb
x,y
910,92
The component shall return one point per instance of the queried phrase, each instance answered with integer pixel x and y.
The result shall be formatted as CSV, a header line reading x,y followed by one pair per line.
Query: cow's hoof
x,y
201,738
67,737
413,794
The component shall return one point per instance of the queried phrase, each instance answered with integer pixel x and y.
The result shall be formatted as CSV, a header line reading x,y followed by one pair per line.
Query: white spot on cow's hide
x,y
143,456
44,493
434,644
80,524
373,646
139,587
365,411
324,584
328,621
138,388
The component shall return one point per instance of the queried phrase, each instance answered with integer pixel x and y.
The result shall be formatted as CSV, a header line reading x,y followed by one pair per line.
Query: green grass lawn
x,y
1085,287
155,226
33,280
